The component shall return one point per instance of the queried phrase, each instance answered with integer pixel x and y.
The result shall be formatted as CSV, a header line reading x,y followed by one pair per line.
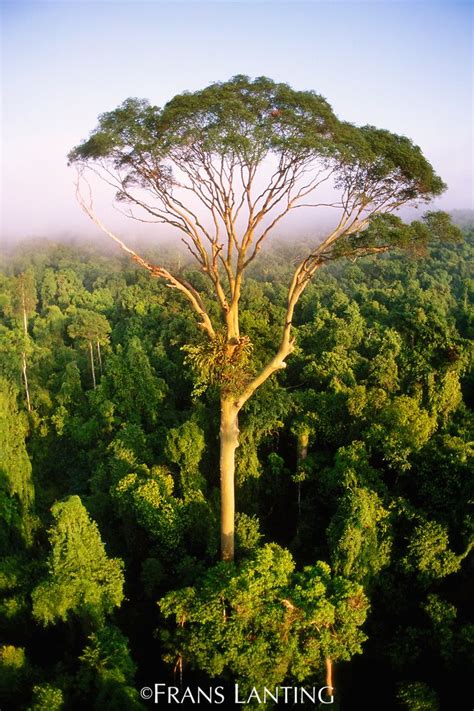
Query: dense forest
x,y
354,485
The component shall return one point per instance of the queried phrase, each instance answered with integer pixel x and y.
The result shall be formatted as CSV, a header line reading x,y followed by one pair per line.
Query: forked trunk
x,y
229,441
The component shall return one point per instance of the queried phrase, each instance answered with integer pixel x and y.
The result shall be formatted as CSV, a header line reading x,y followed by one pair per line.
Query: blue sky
x,y
404,66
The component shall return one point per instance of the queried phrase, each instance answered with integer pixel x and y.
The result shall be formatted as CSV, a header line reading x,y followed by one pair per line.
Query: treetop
x,y
244,121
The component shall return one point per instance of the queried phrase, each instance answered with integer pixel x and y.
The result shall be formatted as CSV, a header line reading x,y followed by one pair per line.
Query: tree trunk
x,y
229,441
303,441
99,357
25,331
25,380
91,353
329,682
301,455
25,321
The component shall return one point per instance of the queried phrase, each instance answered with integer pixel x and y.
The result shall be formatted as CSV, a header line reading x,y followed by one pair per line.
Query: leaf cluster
x,y
221,364
262,621
81,579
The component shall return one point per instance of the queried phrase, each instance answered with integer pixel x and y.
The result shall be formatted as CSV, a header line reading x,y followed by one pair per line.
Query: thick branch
x,y
173,282
301,278
298,284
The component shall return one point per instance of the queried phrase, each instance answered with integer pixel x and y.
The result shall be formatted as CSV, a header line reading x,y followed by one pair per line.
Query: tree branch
x,y
173,282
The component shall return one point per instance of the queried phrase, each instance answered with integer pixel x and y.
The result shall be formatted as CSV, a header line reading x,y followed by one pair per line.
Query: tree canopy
x,y
81,578
194,164
353,482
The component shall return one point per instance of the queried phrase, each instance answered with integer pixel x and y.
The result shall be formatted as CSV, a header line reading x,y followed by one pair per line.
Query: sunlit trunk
x,y
229,441
25,381
329,681
23,368
25,321
99,357
91,353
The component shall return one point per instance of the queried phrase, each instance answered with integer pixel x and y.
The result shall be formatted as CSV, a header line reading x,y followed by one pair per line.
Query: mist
x,y
64,64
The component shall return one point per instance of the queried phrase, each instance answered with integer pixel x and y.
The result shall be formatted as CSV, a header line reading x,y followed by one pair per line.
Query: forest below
x,y
353,476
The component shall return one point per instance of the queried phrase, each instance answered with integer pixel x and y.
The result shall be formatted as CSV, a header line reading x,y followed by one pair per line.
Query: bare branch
x,y
157,271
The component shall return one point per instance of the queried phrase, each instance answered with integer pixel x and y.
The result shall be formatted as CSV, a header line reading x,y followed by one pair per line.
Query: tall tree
x,y
23,305
17,493
91,329
224,166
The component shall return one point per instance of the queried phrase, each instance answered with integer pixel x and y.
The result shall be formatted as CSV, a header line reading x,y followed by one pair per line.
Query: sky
x,y
403,66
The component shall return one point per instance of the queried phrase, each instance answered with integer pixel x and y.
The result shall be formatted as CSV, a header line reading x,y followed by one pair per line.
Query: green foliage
x,y
70,391
217,363
383,369
359,535
23,296
12,346
106,677
443,483
15,672
127,450
402,426
17,492
48,289
428,552
442,618
81,579
132,385
152,501
176,524
46,696
185,446
260,620
89,326
236,117
387,231
379,380
417,696
247,534
16,575
247,121
263,419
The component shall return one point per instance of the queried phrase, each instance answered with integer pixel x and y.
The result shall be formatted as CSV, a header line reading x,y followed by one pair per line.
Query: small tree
x,y
107,671
81,578
91,329
46,696
224,166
